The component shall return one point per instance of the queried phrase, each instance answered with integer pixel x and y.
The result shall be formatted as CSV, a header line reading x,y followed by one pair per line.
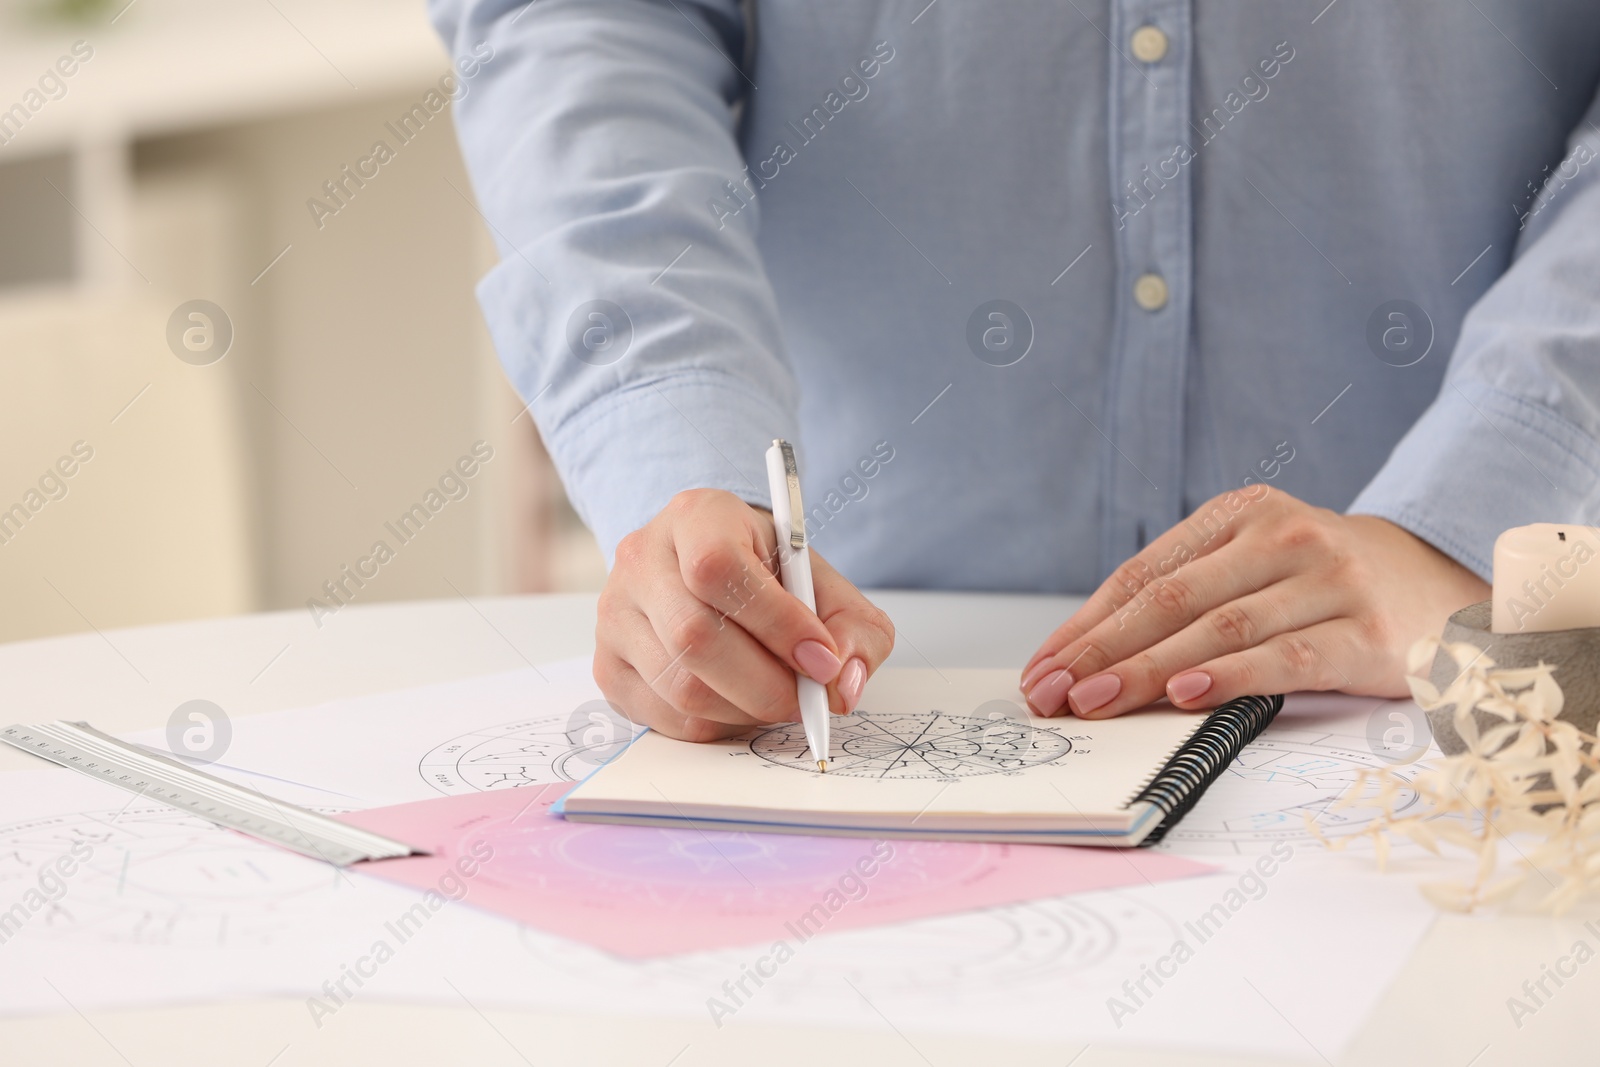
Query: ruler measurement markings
x,y
80,747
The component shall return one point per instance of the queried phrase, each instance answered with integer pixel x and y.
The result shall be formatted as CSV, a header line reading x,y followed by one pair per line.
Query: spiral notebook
x,y
950,755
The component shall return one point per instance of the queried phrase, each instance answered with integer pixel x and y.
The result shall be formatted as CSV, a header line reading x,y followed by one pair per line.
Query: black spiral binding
x,y
1202,759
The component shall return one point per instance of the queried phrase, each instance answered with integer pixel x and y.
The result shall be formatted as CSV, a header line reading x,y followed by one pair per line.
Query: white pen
x,y
794,568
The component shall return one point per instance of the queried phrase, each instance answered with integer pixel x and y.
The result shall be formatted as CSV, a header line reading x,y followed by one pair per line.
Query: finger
x,y
628,693
1329,655
1214,524
863,631
727,573
698,691
1293,604
1167,606
696,654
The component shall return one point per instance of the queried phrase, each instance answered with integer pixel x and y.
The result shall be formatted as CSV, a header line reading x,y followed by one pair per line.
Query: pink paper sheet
x,y
644,891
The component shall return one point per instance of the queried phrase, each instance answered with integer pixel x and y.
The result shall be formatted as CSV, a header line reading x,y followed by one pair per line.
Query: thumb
x,y
862,630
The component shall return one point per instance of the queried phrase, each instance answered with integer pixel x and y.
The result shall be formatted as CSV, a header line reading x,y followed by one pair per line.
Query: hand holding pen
x,y
697,638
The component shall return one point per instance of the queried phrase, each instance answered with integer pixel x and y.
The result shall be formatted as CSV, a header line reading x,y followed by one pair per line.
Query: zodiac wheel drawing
x,y
157,876
917,745
534,751
972,956
1273,785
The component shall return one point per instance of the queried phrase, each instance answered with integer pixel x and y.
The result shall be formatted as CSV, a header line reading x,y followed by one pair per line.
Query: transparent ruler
x,y
83,748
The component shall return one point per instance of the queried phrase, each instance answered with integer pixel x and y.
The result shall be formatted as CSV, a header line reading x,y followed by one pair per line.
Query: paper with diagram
x,y
950,754
643,891
201,913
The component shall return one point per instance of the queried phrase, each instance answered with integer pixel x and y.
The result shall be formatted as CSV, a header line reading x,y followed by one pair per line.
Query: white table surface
x,y
1447,1007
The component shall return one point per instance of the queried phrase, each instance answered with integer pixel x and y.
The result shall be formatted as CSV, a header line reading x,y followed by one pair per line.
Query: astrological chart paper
x,y
642,892
495,731
200,913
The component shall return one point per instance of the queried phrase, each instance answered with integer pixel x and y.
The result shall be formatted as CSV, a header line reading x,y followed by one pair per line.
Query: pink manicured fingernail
x,y
851,681
1096,692
1051,692
818,663
1187,687
1040,669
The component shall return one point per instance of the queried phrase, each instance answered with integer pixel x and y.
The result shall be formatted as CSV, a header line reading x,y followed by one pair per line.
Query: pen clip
x,y
791,477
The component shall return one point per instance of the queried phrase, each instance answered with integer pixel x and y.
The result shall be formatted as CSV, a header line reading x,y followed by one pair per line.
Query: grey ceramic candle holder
x,y
1574,653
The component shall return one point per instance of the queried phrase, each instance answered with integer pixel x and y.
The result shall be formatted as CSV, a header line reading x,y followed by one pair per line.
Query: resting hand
x,y
698,639
1255,593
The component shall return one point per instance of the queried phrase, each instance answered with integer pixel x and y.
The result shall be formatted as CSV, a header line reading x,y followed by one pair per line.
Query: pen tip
x,y
822,765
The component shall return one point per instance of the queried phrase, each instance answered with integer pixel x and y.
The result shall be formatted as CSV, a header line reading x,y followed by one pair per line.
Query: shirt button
x,y
1149,44
1150,292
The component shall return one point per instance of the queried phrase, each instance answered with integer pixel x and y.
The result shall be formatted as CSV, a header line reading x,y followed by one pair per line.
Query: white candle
x,y
1546,578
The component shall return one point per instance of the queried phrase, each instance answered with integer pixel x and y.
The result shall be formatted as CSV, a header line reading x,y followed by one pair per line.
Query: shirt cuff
x,y
630,451
1479,462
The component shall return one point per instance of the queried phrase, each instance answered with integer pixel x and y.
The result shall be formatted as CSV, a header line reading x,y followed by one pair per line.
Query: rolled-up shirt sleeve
x,y
1514,436
635,320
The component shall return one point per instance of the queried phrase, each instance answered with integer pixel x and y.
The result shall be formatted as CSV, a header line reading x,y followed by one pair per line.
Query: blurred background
x,y
230,365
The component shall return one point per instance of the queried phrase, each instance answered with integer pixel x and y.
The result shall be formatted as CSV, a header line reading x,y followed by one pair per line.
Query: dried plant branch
x,y
1527,773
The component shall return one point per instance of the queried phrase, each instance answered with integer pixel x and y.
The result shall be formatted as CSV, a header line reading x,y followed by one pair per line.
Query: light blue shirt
x,y
1029,281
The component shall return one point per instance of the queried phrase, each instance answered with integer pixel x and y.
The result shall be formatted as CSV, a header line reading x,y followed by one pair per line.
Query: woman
x,y
1259,324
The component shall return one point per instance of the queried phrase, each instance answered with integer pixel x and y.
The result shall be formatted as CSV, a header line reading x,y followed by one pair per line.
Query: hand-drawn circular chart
x,y
157,876
1276,781
979,954
533,751
917,745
